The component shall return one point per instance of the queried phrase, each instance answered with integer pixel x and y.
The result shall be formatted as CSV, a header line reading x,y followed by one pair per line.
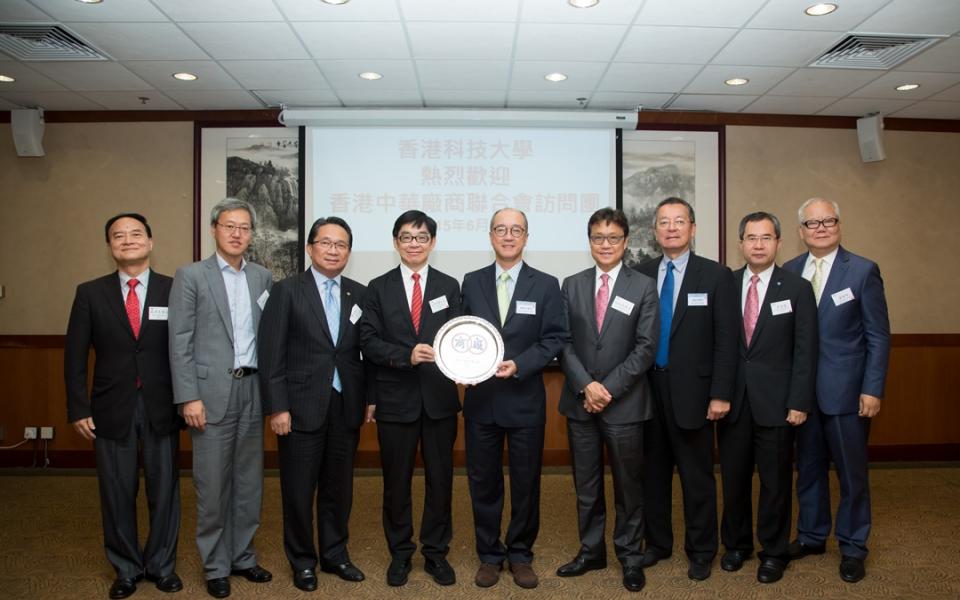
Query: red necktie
x,y
416,302
751,310
133,307
603,297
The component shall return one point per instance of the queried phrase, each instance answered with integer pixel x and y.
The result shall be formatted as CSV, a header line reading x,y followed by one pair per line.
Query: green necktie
x,y
503,296
817,280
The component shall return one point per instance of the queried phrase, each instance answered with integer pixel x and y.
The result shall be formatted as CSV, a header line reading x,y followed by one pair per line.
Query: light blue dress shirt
x,y
241,314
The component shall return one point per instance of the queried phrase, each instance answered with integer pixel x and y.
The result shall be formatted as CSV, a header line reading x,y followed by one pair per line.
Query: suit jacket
x,y
703,339
297,354
619,355
531,341
405,391
201,333
99,319
854,334
777,370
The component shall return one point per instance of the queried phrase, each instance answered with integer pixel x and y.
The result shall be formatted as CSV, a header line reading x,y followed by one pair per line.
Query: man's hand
x,y
869,406
796,417
85,428
717,409
280,422
195,414
507,369
421,353
596,397
371,411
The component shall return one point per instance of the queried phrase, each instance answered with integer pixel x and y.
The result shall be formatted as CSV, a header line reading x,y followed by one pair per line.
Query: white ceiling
x,y
663,54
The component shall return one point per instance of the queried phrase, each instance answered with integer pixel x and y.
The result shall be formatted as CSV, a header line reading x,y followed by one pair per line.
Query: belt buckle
x,y
236,373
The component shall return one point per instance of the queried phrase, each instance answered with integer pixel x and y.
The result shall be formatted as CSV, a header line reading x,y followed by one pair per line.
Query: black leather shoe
x,y
633,578
346,571
652,556
770,570
852,569
441,571
398,571
123,587
168,583
219,587
699,570
305,580
733,560
256,574
798,549
580,565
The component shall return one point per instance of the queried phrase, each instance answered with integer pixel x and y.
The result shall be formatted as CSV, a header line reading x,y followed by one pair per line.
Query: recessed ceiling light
x,y
820,9
907,87
185,76
89,1
737,81
555,77
335,2
370,76
6,79
583,3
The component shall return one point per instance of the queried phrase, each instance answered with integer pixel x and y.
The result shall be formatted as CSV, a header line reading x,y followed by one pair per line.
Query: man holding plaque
x,y
613,319
526,306
416,404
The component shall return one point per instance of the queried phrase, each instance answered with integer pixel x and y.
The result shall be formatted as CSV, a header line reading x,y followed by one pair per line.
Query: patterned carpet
x,y
52,548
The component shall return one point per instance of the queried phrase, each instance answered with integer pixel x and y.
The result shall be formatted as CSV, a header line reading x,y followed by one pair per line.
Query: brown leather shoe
x,y
523,575
488,574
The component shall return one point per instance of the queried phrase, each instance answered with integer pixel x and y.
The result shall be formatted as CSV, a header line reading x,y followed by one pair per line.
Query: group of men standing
x,y
653,359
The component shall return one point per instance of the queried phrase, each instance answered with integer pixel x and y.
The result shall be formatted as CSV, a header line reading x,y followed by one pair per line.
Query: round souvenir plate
x,y
468,349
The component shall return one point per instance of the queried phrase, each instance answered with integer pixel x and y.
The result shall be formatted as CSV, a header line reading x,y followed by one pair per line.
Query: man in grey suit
x,y
613,320
215,309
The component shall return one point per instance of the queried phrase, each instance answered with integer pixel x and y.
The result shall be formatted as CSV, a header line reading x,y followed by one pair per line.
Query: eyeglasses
x,y
753,239
406,238
233,228
665,223
327,244
613,240
501,230
828,223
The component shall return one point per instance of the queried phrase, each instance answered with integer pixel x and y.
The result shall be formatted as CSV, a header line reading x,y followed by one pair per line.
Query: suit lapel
x,y
346,307
838,273
738,282
621,287
398,294
219,291
430,292
308,286
488,288
691,280
152,299
520,290
774,291
114,297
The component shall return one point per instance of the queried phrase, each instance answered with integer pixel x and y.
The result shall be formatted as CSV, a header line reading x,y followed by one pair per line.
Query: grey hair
x,y
526,224
755,217
228,204
809,201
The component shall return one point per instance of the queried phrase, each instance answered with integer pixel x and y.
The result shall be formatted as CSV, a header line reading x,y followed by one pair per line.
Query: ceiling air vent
x,y
873,51
44,41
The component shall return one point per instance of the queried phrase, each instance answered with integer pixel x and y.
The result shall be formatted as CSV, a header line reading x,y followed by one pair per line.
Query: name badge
x,y
781,308
623,305
355,313
842,297
158,313
696,299
439,303
526,308
262,300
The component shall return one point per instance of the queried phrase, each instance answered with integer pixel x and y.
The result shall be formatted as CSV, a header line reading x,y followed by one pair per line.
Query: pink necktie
x,y
133,307
603,297
416,302
751,310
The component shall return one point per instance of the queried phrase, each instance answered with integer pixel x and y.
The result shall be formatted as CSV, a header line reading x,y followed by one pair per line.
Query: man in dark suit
x,y
851,373
773,394
123,315
416,404
527,306
613,321
692,377
312,387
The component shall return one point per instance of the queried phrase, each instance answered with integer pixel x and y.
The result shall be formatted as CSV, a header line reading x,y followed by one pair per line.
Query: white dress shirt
x,y
406,273
140,290
762,286
241,314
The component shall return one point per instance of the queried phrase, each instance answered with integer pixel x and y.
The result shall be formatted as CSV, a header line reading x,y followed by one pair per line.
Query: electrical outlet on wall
x,y
29,433
46,433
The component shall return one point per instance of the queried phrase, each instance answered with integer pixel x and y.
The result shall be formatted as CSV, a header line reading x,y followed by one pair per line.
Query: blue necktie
x,y
666,317
331,305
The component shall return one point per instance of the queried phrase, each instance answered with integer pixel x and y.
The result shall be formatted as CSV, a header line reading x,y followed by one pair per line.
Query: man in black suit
x,y
612,316
693,377
773,394
123,315
416,404
312,386
527,306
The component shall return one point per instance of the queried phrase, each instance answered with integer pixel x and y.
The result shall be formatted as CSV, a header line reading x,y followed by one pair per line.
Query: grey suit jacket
x,y
201,333
619,355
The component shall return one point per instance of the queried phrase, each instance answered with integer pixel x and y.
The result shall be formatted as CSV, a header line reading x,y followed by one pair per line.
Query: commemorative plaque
x,y
468,349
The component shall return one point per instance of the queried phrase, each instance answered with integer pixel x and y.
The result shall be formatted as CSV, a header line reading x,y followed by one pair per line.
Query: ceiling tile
x,y
331,41
276,74
464,98
930,110
381,97
87,76
673,44
776,48
704,13
131,100
127,10
552,11
930,83
711,79
824,82
545,99
219,10
628,100
788,14
4,105
215,100
951,94
298,97
298,10
463,74
528,75
858,107
241,41
160,74
714,102
140,41
788,105
943,57
445,10
27,80
20,10
552,42
50,100
489,41
635,77
937,17
343,75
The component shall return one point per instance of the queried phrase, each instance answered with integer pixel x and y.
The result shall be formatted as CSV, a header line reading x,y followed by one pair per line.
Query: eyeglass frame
x,y
327,243
410,237
820,222
501,230
613,240
231,228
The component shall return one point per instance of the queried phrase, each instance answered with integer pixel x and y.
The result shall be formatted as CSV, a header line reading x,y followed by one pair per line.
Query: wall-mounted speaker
x,y
27,125
870,137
